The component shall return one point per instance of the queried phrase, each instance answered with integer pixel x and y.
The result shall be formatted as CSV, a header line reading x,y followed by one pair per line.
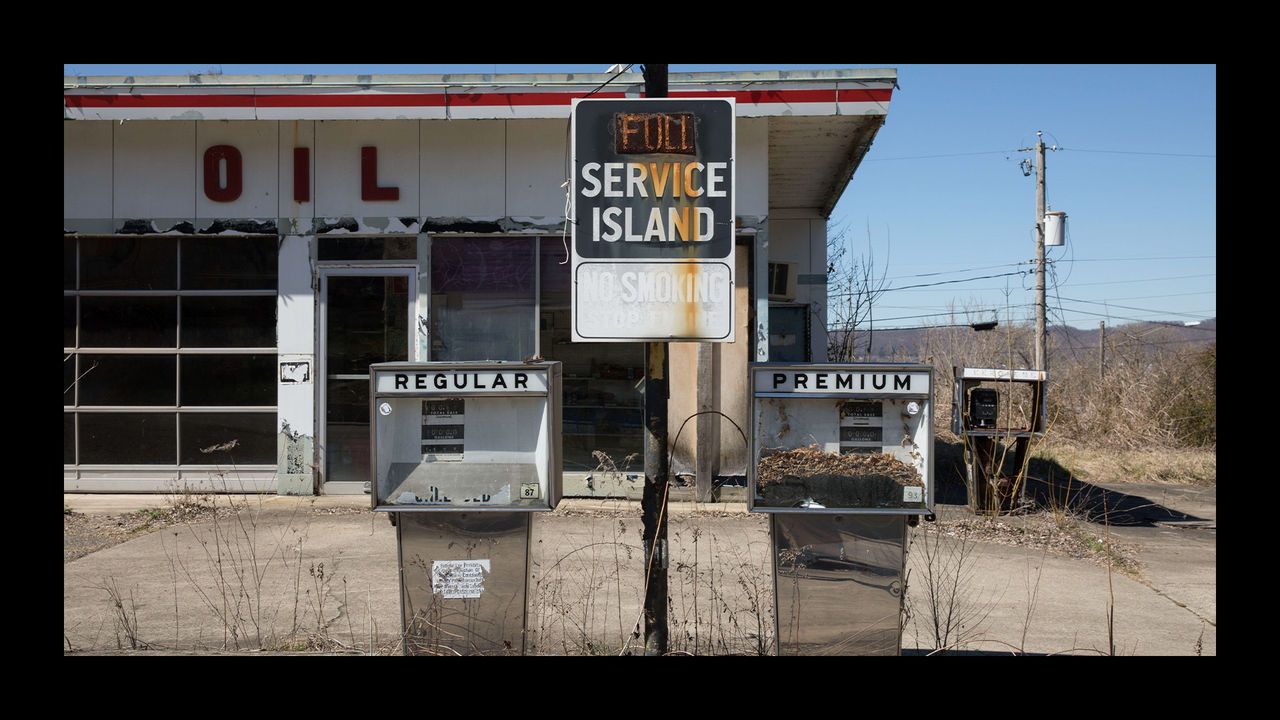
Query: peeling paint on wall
x,y
240,227
155,227
336,225
294,472
494,225
460,225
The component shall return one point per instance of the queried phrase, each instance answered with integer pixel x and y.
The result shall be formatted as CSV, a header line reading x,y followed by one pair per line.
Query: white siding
x,y
86,169
536,161
817,293
155,169
295,331
752,161
463,168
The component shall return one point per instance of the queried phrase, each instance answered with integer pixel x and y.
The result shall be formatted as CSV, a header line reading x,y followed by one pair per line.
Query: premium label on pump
x,y
838,382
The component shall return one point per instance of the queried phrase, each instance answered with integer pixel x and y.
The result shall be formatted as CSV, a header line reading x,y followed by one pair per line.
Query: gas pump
x,y
990,405
842,461
463,455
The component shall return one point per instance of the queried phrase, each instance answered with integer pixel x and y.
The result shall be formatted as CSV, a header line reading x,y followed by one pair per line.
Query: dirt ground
x,y
83,534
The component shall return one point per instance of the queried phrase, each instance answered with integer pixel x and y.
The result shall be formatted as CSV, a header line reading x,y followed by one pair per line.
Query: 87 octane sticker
x,y
530,490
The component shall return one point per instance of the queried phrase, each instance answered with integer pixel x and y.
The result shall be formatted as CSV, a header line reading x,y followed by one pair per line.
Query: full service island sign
x,y
653,213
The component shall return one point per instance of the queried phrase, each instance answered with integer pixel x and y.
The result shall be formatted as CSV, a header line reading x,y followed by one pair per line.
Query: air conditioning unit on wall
x,y
782,281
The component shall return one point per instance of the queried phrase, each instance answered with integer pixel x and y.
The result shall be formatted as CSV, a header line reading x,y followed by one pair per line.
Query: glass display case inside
x,y
841,438
466,436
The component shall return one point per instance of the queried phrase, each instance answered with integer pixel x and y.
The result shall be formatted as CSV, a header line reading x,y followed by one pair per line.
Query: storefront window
x,y
140,316
603,404
483,298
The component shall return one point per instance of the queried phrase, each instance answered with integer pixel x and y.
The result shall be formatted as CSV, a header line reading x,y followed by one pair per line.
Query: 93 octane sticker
x,y
912,494
530,490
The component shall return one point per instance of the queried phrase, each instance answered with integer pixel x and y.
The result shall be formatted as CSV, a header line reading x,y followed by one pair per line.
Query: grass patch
x,y
1198,467
1058,532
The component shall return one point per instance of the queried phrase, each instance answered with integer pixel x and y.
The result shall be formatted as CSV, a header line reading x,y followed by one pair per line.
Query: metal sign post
x,y
652,196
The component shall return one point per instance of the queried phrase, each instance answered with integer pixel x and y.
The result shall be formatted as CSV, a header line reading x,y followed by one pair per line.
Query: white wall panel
x,y
789,241
295,134
295,332
463,167
536,161
154,172
337,163
86,169
257,142
295,314
752,160
817,293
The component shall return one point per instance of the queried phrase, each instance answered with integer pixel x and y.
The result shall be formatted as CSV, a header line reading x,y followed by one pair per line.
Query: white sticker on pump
x,y
458,578
912,494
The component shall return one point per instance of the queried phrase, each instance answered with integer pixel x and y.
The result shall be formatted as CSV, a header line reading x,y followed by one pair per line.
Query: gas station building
x,y
239,249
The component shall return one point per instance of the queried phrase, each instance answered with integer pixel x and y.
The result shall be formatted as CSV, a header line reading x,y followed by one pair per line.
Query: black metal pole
x,y
653,504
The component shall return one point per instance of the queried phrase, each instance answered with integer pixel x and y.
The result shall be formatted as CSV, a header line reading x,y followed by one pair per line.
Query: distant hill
x,y
907,344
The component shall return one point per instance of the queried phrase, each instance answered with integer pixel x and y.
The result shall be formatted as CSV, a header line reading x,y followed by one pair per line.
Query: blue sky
x,y
1142,227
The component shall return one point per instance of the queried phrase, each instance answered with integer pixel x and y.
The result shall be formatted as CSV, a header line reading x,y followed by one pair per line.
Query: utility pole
x,y
653,504
1041,339
1040,330
1102,348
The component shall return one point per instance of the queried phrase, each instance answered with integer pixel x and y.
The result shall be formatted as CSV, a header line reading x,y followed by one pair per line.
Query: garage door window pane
x,y
229,263
68,438
253,434
69,380
229,321
209,380
68,322
127,379
128,321
128,264
68,263
128,438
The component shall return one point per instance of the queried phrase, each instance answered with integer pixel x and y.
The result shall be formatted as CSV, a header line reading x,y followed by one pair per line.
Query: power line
x,y
1124,282
1125,307
940,282
606,82
1155,257
1145,297
940,314
950,272
1121,317
1161,342
1133,152
926,157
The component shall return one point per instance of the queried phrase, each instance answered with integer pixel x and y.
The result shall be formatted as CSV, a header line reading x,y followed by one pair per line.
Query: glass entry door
x,y
364,319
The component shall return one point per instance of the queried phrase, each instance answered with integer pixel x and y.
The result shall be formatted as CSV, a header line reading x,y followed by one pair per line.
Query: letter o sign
x,y
213,187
